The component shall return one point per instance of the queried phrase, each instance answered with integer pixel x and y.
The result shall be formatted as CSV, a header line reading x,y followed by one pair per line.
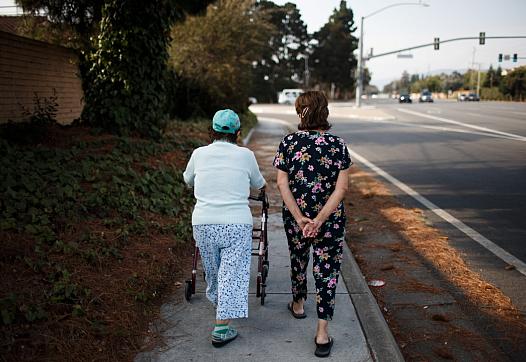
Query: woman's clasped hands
x,y
309,227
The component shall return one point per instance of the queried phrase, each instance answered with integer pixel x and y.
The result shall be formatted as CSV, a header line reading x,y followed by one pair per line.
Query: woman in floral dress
x,y
313,170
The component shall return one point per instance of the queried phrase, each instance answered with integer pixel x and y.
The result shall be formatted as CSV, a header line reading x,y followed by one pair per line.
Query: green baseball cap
x,y
226,121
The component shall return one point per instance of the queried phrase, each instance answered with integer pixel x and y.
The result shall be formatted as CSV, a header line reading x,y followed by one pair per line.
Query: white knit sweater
x,y
222,174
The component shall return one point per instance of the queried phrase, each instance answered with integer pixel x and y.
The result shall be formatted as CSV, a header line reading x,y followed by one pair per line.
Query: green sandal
x,y
220,339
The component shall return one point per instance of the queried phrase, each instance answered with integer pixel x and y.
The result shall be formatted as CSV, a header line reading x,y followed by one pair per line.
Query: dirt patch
x,y
431,299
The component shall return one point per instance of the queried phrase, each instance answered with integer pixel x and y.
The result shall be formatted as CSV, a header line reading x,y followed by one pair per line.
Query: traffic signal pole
x,y
361,59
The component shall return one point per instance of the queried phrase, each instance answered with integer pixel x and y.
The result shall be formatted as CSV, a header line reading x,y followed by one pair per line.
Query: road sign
x,y
482,38
409,56
436,43
506,57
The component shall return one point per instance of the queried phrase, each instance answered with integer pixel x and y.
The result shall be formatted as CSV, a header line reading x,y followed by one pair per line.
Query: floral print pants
x,y
225,254
327,256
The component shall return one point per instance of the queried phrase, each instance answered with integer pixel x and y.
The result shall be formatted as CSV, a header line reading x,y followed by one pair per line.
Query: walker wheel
x,y
263,294
258,286
264,272
188,290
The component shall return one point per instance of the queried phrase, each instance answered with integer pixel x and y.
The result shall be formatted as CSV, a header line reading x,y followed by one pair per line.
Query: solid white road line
x,y
474,235
438,128
445,120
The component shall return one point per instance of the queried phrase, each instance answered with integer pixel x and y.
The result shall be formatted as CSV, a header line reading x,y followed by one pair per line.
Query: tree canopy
x,y
281,64
82,16
217,51
125,84
333,57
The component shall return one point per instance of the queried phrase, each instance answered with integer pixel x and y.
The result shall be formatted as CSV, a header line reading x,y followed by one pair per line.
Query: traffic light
x,y
515,58
436,43
500,58
482,38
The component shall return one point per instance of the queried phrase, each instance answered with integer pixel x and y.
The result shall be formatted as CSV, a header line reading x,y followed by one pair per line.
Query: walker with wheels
x,y
259,250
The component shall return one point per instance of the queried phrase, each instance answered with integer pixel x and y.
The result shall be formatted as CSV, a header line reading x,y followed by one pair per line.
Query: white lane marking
x,y
445,129
471,233
445,120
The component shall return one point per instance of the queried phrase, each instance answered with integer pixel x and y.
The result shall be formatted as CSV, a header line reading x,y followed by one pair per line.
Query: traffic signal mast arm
x,y
433,44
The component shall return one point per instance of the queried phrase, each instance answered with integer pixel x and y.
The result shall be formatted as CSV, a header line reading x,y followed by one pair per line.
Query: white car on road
x,y
288,96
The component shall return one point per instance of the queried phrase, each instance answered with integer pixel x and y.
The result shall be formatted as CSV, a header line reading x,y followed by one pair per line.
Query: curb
x,y
246,140
381,341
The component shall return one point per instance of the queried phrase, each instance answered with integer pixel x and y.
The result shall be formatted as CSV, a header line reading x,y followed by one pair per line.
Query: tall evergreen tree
x,y
282,63
489,81
333,57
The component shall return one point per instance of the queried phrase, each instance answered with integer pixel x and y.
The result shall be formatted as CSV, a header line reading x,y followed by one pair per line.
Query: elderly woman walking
x,y
312,177
222,174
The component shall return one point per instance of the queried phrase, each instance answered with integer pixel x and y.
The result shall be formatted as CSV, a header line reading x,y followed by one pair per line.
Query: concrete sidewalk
x,y
271,333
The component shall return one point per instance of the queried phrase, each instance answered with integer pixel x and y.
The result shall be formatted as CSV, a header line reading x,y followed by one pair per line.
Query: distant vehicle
x,y
462,97
404,98
473,97
252,100
425,96
288,96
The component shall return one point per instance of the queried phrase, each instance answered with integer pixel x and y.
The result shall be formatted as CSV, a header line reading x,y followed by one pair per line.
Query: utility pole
x,y
307,71
478,83
472,73
360,66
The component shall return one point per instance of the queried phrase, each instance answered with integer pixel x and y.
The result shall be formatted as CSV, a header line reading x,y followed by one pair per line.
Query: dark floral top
x,y
313,161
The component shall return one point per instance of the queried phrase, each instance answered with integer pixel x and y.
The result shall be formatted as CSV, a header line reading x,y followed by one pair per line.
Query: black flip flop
x,y
294,314
323,350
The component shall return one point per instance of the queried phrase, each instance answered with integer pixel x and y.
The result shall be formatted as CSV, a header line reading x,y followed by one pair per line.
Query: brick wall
x,y
28,66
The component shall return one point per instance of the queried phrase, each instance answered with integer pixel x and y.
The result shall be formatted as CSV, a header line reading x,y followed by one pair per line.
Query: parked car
x,y
425,96
462,97
404,98
288,96
473,97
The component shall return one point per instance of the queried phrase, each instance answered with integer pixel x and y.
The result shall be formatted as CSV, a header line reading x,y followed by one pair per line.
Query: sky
x,y
404,26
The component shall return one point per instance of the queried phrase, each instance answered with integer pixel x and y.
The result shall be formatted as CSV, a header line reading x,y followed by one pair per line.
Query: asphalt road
x,y
469,159
479,179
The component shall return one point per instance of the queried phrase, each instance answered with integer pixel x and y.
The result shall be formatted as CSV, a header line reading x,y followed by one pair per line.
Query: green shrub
x,y
491,94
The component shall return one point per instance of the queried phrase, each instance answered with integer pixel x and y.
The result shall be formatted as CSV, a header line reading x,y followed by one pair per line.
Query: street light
x,y
359,86
306,73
